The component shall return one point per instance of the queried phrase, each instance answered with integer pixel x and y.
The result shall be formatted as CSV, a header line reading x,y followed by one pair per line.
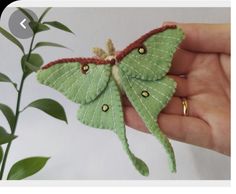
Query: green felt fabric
x,y
92,114
160,92
157,61
138,73
69,80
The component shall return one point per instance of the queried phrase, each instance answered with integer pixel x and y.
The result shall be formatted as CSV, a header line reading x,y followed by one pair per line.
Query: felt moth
x,y
140,70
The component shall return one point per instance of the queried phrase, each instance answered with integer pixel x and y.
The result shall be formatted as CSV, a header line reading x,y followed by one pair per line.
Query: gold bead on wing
x,y
145,93
105,107
142,50
85,68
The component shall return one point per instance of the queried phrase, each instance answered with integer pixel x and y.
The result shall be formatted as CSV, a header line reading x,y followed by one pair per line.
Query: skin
x,y
201,68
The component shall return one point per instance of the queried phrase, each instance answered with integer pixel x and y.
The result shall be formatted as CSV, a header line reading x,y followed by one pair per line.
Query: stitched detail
x,y
149,113
140,41
74,60
143,71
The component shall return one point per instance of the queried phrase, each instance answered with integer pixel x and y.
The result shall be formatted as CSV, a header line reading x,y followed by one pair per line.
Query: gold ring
x,y
185,106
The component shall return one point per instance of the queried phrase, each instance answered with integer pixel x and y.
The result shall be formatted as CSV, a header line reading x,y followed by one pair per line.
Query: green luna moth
x,y
139,71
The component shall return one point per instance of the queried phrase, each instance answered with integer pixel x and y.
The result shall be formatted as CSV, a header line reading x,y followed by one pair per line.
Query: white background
x,y
80,152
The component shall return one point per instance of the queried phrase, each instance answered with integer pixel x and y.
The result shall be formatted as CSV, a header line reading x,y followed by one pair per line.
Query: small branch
x,y
31,46
23,109
14,128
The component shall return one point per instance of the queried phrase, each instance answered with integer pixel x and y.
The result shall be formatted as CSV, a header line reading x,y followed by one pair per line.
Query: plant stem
x,y
17,113
14,128
31,46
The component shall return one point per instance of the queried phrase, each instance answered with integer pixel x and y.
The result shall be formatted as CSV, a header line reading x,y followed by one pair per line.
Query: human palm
x,y
201,68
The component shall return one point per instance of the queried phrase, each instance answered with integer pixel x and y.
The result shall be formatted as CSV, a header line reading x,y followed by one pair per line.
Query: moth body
x,y
115,72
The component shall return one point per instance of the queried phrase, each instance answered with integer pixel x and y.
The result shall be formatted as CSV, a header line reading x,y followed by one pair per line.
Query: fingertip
x,y
203,37
133,120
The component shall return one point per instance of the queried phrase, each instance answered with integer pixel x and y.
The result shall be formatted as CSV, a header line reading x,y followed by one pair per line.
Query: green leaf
x,y
40,44
1,154
33,64
26,13
11,38
8,113
31,67
43,14
5,78
26,167
5,137
58,25
51,107
38,27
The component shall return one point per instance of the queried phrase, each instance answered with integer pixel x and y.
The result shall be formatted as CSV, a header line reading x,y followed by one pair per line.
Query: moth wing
x,y
149,98
153,61
106,113
67,77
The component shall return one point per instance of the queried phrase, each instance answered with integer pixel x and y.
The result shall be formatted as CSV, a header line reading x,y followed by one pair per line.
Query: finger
x,y
174,106
185,129
205,37
125,101
182,89
132,119
181,63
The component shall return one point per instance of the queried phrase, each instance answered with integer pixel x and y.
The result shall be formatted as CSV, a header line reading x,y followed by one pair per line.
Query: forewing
x,y
149,98
159,46
106,113
78,86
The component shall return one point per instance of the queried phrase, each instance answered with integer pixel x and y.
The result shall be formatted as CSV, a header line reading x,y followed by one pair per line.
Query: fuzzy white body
x,y
116,74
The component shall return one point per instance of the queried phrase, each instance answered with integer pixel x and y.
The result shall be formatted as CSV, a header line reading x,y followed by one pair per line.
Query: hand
x,y
204,60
